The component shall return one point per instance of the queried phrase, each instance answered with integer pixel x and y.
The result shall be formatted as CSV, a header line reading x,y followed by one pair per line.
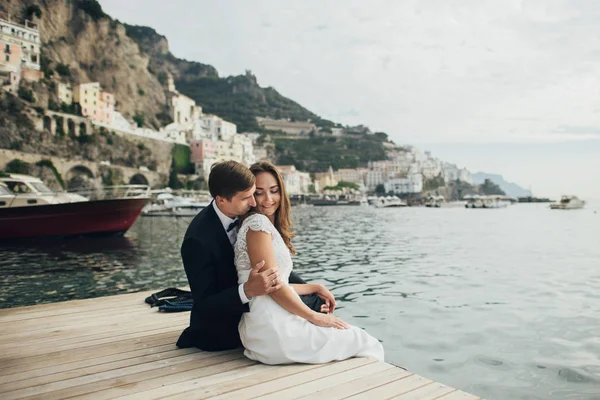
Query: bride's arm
x,y
260,247
306,288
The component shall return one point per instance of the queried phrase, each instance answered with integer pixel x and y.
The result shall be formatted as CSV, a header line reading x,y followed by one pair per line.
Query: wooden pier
x,y
118,347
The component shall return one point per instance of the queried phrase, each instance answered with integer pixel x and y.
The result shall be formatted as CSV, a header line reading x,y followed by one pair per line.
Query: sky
x,y
504,86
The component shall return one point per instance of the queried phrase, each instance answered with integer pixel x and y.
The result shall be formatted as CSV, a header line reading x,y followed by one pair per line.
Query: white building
x,y
295,182
464,175
412,184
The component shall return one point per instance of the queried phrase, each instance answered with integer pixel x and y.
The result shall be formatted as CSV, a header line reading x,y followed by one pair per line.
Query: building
x,y
412,184
351,175
295,182
19,52
324,179
208,126
287,126
64,93
95,104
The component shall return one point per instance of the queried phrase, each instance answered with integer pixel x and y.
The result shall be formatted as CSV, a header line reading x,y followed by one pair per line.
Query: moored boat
x,y
28,208
568,203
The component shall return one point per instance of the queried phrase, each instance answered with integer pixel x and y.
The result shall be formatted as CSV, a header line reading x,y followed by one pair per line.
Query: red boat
x,y
28,208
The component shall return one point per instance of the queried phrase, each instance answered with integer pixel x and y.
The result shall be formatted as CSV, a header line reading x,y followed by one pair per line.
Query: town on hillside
x,y
86,109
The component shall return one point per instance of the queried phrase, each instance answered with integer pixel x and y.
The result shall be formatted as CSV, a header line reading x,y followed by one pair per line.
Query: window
x,y
7,57
7,48
85,101
34,59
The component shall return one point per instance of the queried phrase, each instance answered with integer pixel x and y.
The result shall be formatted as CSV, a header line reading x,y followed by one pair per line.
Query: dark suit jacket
x,y
208,261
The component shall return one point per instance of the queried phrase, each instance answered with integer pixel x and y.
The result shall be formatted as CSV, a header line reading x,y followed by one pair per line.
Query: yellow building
x,y
95,104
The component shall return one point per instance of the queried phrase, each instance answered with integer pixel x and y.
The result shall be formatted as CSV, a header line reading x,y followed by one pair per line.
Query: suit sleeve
x,y
294,278
201,274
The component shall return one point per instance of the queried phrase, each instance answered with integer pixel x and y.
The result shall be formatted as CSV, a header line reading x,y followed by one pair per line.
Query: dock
x,y
119,347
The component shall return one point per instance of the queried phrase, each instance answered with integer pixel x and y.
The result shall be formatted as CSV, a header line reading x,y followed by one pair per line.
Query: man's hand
x,y
262,282
328,298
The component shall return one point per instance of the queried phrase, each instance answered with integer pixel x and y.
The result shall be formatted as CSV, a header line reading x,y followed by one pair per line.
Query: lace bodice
x,y
259,222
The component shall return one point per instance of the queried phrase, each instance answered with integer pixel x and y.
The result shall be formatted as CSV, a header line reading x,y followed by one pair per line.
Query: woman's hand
x,y
327,320
328,298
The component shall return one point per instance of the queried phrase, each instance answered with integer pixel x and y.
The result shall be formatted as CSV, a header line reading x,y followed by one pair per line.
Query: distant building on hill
x,y
290,127
19,52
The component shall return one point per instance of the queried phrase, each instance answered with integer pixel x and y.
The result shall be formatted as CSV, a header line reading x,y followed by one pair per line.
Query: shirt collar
x,y
225,220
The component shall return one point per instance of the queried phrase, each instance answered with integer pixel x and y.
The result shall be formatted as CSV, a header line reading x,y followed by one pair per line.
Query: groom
x,y
207,253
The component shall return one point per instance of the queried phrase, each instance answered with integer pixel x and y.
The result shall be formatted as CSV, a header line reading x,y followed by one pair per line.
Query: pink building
x,y
203,154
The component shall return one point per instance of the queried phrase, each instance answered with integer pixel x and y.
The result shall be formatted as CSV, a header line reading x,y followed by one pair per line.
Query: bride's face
x,y
268,194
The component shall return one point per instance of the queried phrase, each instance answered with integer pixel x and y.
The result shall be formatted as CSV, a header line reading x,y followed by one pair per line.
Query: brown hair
x,y
228,178
283,222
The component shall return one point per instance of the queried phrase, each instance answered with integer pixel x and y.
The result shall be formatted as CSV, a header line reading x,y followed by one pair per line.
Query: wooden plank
x,y
458,395
79,312
77,305
83,384
431,391
18,364
151,388
254,389
132,334
329,381
134,379
360,385
394,388
224,383
53,369
92,369
86,331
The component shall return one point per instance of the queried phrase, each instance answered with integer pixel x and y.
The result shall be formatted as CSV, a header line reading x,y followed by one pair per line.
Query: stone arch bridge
x,y
92,170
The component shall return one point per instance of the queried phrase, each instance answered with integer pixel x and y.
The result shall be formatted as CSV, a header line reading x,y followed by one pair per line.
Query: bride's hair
x,y
283,222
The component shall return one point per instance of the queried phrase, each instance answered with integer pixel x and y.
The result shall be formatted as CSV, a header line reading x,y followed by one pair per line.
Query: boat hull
x,y
102,217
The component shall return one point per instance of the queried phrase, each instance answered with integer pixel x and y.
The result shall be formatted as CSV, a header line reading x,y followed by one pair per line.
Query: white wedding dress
x,y
272,335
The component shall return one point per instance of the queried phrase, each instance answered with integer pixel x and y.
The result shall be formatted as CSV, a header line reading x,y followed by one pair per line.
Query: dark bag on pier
x,y
171,300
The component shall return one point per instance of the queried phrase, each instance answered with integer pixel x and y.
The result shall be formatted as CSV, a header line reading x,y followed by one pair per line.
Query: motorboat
x,y
491,201
435,201
169,205
568,203
28,208
390,201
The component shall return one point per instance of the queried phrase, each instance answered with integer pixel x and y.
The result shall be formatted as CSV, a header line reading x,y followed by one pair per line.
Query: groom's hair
x,y
229,177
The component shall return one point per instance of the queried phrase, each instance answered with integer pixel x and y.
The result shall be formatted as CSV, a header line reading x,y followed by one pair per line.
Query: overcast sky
x,y
503,86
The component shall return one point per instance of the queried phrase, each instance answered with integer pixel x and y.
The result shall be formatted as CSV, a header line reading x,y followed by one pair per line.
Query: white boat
x,y
168,205
390,201
24,190
492,201
568,203
435,201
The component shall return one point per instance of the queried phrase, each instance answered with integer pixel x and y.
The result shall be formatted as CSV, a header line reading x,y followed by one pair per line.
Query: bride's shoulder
x,y
258,222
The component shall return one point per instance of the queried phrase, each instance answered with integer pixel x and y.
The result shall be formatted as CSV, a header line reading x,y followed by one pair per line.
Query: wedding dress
x,y
272,335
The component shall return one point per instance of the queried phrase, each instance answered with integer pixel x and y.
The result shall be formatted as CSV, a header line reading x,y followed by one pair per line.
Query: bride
x,y
280,328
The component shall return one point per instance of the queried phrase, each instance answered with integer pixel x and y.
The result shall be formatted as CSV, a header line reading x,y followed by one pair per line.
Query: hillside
x,y
83,44
510,188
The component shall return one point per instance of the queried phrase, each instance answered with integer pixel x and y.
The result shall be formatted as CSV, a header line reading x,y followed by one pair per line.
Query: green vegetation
x,y
17,166
341,185
48,164
181,160
174,182
32,10
139,119
91,8
240,100
432,184
26,94
318,153
63,70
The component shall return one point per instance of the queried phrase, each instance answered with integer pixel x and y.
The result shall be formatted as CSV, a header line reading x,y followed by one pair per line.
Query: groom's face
x,y
239,204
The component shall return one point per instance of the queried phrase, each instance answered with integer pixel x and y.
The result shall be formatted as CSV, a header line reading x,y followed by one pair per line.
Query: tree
x,y
32,10
139,120
17,166
63,70
174,182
